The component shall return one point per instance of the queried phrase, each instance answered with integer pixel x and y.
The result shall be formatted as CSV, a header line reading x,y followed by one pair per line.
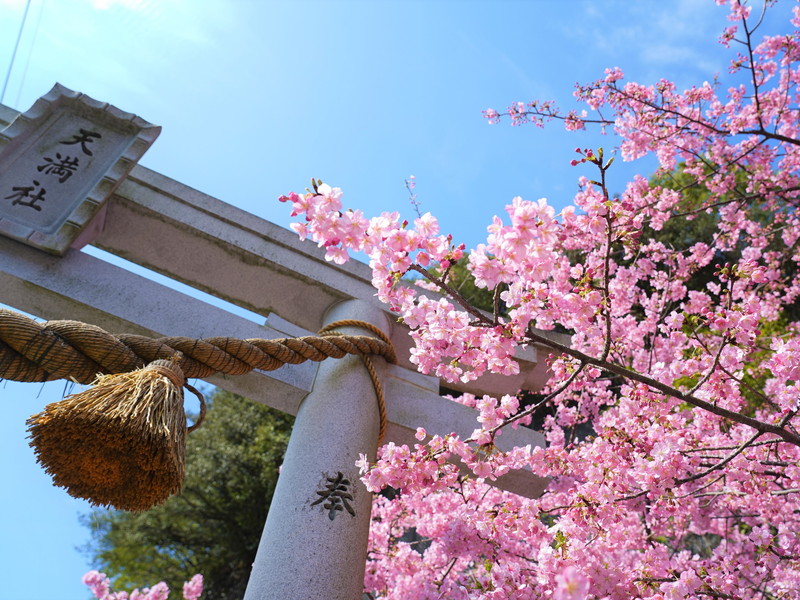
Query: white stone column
x,y
308,551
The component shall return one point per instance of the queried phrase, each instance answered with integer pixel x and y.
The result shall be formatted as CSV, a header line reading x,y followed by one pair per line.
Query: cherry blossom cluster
x,y
670,316
447,343
100,585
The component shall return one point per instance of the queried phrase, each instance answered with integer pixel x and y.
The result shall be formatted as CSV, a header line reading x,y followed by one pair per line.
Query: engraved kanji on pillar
x,y
335,496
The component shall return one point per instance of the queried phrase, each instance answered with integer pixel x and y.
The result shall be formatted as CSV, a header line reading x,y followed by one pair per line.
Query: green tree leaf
x,y
213,527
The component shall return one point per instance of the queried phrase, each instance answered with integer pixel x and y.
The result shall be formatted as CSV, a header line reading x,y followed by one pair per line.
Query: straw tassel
x,y
121,442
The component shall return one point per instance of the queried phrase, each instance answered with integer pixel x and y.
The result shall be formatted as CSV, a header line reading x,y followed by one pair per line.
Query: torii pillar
x,y
314,543
68,177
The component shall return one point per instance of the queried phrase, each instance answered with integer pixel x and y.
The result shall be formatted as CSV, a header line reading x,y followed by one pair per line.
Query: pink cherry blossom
x,y
571,585
100,585
670,413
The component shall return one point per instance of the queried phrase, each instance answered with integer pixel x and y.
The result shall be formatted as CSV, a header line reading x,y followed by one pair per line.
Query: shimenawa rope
x,y
122,441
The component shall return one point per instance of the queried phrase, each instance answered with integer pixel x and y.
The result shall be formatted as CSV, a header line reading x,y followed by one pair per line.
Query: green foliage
x,y
689,224
686,383
695,219
692,225
213,527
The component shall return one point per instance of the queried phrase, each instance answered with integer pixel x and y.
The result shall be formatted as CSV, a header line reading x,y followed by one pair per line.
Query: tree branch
x,y
665,389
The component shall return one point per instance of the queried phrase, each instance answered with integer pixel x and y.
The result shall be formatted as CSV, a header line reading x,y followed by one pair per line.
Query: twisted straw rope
x,y
329,330
32,351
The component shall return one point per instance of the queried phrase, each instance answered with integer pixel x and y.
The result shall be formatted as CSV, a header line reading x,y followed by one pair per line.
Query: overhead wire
x,y
30,53
14,53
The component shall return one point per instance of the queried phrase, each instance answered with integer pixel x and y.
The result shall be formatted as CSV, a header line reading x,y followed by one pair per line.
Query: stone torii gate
x,y
68,178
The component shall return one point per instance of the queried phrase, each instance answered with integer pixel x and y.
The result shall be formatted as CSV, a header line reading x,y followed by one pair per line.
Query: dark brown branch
x,y
744,445
665,389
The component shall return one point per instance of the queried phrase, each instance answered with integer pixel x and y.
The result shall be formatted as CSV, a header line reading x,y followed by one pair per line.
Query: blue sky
x,y
256,97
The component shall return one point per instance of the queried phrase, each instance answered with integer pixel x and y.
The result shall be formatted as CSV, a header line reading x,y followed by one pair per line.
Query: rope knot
x,y
389,354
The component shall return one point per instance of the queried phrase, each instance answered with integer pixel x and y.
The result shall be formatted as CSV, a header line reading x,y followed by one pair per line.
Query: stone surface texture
x,y
304,553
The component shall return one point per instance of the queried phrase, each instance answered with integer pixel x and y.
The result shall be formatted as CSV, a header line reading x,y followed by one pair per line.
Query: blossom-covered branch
x,y
671,410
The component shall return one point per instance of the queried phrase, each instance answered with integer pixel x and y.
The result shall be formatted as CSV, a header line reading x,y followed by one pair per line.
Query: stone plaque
x,y
59,163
